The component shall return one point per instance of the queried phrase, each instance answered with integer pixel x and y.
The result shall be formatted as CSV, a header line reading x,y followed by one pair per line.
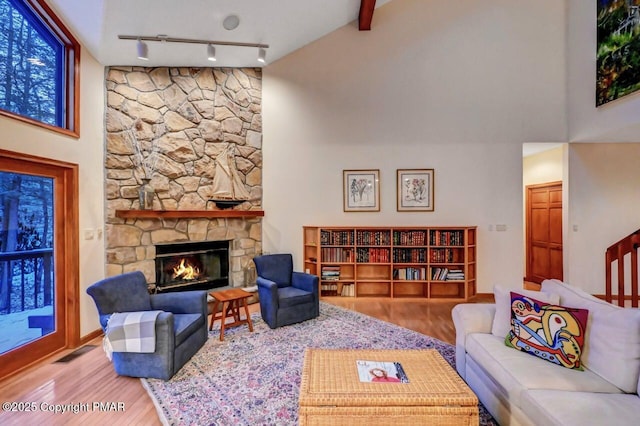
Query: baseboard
x,y
89,337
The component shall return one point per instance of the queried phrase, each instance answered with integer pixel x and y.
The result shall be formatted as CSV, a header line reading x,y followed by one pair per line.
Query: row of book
x,y
409,238
336,238
446,274
337,254
445,255
410,274
372,255
409,256
381,255
337,289
446,238
377,238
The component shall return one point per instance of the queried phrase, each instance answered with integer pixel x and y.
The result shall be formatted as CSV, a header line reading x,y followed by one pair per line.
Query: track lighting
x,y
143,50
211,52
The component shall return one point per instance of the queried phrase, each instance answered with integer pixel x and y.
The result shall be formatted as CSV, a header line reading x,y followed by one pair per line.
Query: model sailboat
x,y
228,188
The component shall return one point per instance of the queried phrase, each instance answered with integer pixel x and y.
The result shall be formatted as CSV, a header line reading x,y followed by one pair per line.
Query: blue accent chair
x,y
180,331
286,297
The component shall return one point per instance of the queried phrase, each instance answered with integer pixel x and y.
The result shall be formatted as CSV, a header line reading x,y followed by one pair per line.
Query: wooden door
x,y
39,272
544,232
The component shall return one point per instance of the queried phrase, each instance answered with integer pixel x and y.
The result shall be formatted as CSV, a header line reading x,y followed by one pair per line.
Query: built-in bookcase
x,y
419,262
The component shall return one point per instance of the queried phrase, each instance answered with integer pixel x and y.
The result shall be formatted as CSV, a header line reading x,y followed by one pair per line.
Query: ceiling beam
x,y
366,14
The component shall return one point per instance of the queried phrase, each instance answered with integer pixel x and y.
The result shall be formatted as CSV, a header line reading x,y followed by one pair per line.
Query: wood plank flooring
x,y
89,379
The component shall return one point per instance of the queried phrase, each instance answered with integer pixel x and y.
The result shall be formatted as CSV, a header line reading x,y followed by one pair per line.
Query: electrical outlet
x,y
89,234
99,233
501,228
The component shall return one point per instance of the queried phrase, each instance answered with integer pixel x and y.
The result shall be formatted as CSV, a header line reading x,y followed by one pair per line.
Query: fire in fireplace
x,y
192,266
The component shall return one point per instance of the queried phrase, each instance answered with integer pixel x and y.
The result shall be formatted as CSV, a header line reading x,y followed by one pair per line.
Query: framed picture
x,y
361,190
617,56
415,190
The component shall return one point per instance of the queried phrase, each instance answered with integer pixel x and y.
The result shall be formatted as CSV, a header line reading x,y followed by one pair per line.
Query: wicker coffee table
x,y
332,394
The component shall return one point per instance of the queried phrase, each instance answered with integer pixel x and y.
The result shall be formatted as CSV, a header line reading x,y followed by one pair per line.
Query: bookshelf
x,y
412,262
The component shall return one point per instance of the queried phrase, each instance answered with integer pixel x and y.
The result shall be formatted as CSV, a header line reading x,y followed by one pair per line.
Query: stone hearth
x,y
178,120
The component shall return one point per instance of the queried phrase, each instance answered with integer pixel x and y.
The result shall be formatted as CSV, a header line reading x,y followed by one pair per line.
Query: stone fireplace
x,y
177,120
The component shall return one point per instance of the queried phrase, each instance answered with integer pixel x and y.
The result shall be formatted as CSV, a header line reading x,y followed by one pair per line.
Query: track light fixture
x,y
211,52
262,55
143,49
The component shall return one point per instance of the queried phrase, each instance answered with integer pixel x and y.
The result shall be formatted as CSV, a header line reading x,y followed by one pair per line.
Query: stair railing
x,y
617,252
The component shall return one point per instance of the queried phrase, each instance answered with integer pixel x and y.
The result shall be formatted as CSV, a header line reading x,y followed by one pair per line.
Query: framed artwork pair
x,y
414,190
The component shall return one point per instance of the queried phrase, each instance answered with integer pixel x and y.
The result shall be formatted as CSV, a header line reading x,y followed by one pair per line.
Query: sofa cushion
x,y
550,332
502,319
516,371
612,341
185,325
551,407
291,296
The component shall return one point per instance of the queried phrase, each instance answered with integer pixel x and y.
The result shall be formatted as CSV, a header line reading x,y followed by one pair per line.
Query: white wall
x,y
543,167
87,152
604,203
602,178
617,121
454,86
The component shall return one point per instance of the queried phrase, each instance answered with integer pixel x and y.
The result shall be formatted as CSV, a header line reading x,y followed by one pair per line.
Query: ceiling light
x,y
231,22
211,52
143,50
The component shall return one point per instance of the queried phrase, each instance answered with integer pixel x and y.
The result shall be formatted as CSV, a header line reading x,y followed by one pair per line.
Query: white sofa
x,y
518,388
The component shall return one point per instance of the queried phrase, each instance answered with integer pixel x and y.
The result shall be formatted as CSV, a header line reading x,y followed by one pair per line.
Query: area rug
x,y
254,378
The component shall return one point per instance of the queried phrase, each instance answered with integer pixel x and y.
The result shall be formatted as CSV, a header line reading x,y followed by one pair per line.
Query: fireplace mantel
x,y
185,214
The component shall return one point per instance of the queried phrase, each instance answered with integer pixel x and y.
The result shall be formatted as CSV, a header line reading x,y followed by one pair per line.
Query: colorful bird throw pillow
x,y
551,332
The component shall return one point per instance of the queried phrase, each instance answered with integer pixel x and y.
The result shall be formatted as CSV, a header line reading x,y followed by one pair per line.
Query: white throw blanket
x,y
131,332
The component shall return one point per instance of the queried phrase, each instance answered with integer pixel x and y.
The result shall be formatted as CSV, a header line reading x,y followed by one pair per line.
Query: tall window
x,y
38,66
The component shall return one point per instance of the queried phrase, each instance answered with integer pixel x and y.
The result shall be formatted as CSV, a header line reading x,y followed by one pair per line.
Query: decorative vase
x,y
145,195
250,275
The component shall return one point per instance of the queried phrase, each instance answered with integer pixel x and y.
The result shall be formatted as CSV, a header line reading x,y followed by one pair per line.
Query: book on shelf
x,y
381,372
409,238
455,275
348,290
330,273
410,273
446,238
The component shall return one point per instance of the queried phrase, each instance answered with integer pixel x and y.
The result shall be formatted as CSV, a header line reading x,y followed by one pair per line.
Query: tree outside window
x,y
37,60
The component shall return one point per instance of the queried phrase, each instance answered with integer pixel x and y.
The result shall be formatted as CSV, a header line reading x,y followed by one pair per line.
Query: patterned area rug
x,y
254,378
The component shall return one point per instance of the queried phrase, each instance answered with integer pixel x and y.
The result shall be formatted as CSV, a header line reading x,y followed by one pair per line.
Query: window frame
x,y
70,79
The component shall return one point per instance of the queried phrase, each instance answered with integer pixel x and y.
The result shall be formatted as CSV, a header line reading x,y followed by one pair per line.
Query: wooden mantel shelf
x,y
186,214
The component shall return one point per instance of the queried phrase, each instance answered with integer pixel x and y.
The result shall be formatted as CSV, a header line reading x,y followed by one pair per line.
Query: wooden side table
x,y
230,300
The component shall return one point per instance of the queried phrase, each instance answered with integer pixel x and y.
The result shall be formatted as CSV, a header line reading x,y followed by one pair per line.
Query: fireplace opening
x,y
192,266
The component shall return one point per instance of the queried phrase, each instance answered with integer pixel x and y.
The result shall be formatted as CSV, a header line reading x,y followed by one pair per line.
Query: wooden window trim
x,y
71,79
67,243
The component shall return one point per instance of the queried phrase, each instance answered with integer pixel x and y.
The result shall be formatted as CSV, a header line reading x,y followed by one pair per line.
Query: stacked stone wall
x,y
169,125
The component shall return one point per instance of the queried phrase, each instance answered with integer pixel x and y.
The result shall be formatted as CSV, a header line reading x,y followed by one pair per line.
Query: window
x,y
39,63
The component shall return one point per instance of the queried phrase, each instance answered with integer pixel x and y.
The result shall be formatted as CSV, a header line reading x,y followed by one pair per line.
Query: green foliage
x,y
618,55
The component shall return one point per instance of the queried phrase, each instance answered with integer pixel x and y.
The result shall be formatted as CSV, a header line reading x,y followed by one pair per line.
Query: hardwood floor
x,y
89,379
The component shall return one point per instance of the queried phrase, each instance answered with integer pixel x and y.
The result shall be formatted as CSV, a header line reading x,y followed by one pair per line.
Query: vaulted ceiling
x,y
284,25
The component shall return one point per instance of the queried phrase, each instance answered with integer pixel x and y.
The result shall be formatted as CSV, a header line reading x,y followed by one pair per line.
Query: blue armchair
x,y
180,331
286,297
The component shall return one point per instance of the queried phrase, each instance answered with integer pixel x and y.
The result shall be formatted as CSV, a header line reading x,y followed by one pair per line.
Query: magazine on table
x,y
381,372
